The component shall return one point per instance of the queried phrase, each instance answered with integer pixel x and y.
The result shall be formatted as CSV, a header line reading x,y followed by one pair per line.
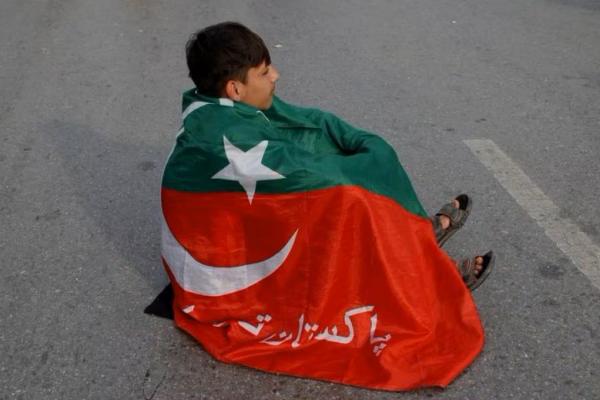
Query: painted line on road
x,y
575,244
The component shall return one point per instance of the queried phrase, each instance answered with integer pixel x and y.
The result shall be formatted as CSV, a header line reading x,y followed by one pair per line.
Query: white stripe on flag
x,y
226,102
193,107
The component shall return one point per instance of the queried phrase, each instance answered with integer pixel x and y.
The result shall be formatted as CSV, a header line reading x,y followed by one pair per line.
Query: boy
x,y
295,243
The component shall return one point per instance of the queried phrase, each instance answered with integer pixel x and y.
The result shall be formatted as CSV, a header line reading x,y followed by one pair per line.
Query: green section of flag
x,y
313,149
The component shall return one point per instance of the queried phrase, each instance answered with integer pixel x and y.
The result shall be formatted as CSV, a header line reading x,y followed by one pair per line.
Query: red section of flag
x,y
365,296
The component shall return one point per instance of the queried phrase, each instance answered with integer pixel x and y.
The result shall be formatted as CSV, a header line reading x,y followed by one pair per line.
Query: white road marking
x,y
575,244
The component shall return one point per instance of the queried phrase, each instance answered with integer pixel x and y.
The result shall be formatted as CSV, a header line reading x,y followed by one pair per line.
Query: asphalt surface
x,y
89,105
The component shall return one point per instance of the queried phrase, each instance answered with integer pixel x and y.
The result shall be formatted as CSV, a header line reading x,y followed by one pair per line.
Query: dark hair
x,y
222,52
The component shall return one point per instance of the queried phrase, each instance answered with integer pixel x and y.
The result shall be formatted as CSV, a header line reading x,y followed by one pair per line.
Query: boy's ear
x,y
232,90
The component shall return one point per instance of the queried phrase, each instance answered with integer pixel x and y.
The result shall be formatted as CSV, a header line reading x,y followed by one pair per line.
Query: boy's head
x,y
229,60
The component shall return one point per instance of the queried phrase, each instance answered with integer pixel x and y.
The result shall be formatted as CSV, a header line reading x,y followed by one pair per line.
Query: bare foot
x,y
475,270
478,265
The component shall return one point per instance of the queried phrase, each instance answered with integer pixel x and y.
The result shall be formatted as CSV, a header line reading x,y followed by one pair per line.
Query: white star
x,y
246,167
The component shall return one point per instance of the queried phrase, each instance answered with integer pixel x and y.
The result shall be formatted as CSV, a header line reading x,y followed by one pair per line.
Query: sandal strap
x,y
437,227
467,271
454,214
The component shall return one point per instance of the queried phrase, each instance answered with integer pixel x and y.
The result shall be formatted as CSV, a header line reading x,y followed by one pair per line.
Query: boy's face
x,y
259,88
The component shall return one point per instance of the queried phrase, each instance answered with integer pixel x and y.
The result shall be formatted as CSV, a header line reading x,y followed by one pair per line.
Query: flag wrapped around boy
x,y
295,244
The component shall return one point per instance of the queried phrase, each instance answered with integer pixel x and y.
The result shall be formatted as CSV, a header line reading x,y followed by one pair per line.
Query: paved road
x,y
89,104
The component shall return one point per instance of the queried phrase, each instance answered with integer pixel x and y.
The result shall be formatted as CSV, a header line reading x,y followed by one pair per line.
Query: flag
x,y
296,244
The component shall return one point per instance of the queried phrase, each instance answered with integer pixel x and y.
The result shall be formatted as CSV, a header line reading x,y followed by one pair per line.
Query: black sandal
x,y
457,216
469,274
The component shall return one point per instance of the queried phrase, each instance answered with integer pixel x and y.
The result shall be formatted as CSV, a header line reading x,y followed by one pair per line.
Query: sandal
x,y
469,274
458,217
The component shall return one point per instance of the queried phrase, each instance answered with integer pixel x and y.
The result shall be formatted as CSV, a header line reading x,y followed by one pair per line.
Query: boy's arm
x,y
353,140
372,162
346,137
364,158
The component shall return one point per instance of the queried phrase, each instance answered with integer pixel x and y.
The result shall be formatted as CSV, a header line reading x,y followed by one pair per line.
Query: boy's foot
x,y
451,218
476,270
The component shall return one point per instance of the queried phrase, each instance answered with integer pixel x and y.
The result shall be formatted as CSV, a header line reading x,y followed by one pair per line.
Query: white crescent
x,y
199,278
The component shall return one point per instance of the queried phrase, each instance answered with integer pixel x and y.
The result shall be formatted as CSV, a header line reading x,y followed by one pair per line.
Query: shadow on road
x,y
118,185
